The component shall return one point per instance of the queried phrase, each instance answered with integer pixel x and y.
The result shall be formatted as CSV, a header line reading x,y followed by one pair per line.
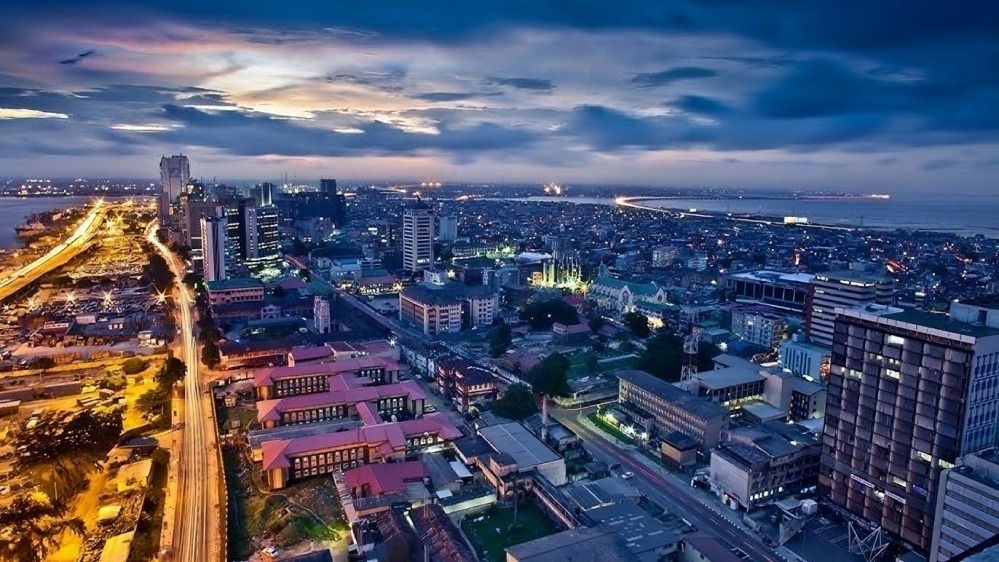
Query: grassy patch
x,y
490,544
609,429
276,332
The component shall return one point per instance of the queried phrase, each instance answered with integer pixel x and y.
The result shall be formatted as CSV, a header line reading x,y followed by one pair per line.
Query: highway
x,y
665,491
197,511
59,255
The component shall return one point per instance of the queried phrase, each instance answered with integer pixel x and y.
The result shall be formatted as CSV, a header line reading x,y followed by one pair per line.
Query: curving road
x,y
197,511
58,256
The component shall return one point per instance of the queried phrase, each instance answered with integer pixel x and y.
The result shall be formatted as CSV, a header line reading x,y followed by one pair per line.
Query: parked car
x,y
627,475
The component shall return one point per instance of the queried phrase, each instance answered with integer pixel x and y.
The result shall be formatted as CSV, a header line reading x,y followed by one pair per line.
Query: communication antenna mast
x,y
690,346
871,546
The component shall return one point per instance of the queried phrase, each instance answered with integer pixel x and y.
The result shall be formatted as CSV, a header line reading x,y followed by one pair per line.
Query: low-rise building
x,y
278,382
439,305
465,383
570,334
287,460
672,409
237,289
345,399
762,464
516,455
803,358
621,296
757,327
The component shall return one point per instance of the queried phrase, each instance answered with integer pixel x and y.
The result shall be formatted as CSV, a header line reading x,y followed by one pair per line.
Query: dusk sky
x,y
859,95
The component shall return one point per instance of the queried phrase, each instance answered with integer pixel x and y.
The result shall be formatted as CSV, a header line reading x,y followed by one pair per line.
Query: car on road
x,y
429,408
627,475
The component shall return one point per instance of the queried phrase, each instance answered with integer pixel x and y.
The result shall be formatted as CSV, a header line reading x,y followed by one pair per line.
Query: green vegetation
x,y
134,365
496,531
54,436
147,533
638,324
549,377
541,314
210,354
609,428
157,271
501,340
664,356
275,332
30,527
516,403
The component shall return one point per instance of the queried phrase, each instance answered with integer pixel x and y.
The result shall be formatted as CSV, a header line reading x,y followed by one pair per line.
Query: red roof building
x,y
342,400
286,460
383,479
279,382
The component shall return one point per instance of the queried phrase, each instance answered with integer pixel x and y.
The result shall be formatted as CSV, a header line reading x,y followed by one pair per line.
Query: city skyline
x,y
893,96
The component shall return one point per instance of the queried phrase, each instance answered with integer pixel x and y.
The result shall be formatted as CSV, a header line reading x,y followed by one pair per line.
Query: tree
x,y
663,357
550,376
210,354
541,314
596,323
501,340
30,527
305,274
158,272
516,403
43,363
592,363
172,371
279,292
152,399
209,333
113,382
133,366
54,436
638,323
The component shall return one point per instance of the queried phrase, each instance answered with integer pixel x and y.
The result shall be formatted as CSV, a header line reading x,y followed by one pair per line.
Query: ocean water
x,y
966,214
15,210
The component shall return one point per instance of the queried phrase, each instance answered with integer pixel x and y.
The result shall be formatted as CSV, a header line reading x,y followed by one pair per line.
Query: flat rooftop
x,y
770,276
585,544
700,407
729,377
921,319
515,440
643,534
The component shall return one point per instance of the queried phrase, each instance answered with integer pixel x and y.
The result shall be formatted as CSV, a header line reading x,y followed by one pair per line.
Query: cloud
x,y
701,104
653,79
454,96
14,113
78,57
536,84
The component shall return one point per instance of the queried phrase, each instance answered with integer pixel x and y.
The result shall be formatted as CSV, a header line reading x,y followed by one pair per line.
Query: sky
x,y
876,96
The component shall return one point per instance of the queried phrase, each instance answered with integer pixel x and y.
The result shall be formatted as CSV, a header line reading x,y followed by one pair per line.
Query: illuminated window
x,y
924,456
944,464
895,340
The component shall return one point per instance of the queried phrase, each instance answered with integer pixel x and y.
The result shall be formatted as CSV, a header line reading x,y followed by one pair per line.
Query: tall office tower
x,y
233,235
447,228
175,172
213,239
844,289
268,232
417,237
331,204
266,195
249,232
909,392
967,510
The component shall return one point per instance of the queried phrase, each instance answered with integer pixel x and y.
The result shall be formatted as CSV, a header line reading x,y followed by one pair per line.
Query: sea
x,y
967,214
15,211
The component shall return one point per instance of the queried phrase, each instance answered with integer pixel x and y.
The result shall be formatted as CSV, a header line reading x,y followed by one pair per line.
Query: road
x,y
59,255
666,491
197,534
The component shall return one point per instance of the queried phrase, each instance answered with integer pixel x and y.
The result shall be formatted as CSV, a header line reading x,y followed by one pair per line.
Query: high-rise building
x,y
447,228
268,232
843,289
249,231
175,172
213,240
909,392
266,195
967,510
417,237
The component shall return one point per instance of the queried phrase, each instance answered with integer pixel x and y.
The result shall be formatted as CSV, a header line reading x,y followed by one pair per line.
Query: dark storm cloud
x,y
702,105
537,84
652,79
256,135
78,57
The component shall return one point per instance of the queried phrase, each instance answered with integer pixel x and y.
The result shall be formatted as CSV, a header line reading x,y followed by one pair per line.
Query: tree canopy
x,y
541,314
501,340
516,403
30,527
550,376
664,356
638,323
172,371
54,436
210,354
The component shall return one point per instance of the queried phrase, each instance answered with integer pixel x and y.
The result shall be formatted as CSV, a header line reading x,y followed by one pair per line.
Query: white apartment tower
x,y
175,173
213,239
842,289
447,228
417,237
